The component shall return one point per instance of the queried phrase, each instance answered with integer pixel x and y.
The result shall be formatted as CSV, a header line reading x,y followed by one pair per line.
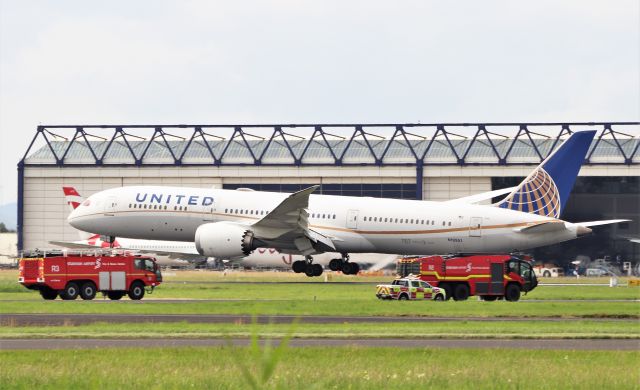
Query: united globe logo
x,y
537,195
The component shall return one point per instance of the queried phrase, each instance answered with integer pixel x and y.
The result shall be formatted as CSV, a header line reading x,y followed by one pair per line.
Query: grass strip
x,y
321,367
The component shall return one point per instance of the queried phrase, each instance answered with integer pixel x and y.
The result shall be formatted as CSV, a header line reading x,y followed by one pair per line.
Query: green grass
x,y
317,298
446,329
322,368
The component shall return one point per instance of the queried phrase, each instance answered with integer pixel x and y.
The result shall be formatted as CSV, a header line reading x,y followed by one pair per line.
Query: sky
x,y
192,61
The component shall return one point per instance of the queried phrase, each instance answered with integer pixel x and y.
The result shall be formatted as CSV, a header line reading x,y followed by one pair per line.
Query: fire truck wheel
x,y
512,294
547,274
403,297
48,294
461,292
447,289
299,266
136,292
70,292
439,297
88,291
335,265
115,295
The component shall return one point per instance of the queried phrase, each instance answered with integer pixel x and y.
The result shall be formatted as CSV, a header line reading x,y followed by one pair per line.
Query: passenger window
x,y
415,283
425,285
139,263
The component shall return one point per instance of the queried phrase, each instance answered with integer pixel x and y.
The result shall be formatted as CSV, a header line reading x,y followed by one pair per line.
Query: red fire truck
x,y
84,274
488,276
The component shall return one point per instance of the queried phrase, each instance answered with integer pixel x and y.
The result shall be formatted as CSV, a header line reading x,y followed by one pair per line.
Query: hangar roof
x,y
465,144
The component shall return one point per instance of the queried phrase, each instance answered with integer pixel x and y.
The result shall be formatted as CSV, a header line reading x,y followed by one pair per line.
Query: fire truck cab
x,y
83,274
489,276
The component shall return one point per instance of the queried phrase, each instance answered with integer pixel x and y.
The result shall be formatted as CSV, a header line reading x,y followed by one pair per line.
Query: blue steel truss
x,y
305,144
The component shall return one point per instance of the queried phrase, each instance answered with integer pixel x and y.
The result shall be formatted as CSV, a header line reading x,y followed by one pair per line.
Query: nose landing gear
x,y
307,267
344,265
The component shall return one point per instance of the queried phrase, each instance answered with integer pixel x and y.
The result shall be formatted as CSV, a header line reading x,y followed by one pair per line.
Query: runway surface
x,y
83,319
597,344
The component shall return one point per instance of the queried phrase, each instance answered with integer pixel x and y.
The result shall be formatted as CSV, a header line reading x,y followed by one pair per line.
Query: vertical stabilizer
x,y
74,200
546,190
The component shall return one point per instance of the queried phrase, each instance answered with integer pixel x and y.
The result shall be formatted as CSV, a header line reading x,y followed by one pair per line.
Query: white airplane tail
x,y
74,200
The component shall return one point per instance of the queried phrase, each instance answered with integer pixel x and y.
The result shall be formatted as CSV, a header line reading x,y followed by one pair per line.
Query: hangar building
x,y
408,161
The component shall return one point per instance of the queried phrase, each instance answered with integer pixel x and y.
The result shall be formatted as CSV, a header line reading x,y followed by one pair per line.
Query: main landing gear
x,y
344,265
307,267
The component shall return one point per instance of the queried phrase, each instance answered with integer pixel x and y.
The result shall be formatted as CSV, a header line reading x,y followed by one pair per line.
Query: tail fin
x,y
73,197
74,200
546,190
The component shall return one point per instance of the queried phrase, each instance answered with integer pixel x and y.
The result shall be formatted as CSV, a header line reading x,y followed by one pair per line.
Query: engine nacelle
x,y
225,240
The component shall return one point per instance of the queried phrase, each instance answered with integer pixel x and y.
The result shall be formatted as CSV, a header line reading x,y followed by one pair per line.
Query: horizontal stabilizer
x,y
483,196
604,222
544,227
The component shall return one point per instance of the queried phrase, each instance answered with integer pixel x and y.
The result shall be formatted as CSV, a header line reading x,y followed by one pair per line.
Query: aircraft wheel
x,y
346,268
309,270
299,266
355,268
317,269
335,265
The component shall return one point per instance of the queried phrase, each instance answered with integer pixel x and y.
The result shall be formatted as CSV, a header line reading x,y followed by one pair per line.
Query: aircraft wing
x,y
482,196
188,256
73,245
287,225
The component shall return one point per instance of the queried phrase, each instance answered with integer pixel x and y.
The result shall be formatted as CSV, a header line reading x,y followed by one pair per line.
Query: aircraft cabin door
x,y
208,213
352,219
475,227
110,205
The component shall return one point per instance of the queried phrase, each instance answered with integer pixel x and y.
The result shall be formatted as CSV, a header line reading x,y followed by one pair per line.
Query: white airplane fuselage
x,y
354,224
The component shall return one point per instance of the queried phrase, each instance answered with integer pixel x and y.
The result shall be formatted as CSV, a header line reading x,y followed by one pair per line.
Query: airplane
x,y
180,253
235,223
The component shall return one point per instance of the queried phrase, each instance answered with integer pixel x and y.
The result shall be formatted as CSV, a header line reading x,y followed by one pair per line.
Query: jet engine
x,y
225,240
